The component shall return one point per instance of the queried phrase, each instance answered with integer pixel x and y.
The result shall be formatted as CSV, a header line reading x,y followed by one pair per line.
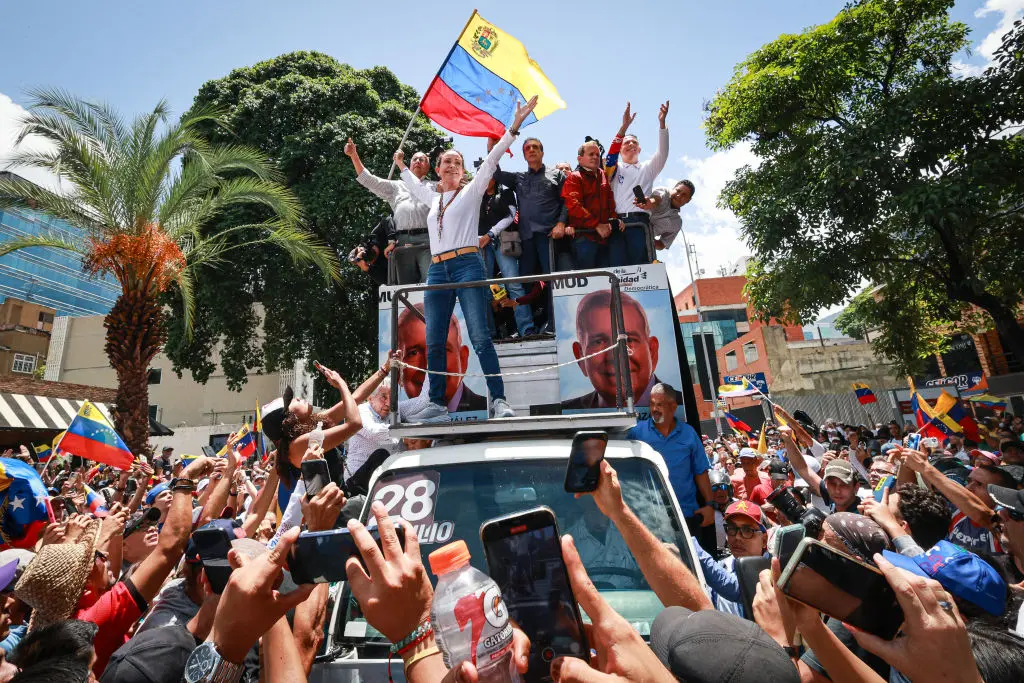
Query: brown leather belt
x,y
448,255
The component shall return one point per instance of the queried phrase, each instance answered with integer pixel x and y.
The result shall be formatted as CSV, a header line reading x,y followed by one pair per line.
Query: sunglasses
x,y
1011,513
720,487
746,532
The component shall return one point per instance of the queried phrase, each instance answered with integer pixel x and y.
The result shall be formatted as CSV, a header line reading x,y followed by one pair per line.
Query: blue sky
x,y
132,54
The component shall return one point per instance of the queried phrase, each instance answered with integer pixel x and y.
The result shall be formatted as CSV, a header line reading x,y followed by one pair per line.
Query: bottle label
x,y
487,618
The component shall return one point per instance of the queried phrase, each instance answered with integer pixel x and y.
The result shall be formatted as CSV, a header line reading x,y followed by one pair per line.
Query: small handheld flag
x,y
864,393
744,388
91,436
738,425
95,502
43,452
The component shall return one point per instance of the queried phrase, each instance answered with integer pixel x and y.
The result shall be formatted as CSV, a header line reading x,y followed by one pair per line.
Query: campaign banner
x,y
466,396
756,379
583,326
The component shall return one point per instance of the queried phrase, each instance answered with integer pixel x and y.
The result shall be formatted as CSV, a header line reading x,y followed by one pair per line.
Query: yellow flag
x,y
762,443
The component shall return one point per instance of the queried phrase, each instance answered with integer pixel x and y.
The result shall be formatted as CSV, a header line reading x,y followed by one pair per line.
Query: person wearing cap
x,y
981,458
780,475
747,537
1010,509
160,497
749,477
837,488
1012,451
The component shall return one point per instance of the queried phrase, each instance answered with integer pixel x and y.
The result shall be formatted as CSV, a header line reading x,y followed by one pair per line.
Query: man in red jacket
x,y
591,208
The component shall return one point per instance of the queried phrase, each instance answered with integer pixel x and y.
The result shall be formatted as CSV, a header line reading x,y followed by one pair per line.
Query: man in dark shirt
x,y
542,215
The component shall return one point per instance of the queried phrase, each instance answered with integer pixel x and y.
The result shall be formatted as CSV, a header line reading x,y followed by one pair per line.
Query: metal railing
x,y
623,380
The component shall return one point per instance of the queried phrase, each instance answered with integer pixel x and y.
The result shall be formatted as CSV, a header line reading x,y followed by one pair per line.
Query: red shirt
x,y
114,612
740,481
589,201
759,494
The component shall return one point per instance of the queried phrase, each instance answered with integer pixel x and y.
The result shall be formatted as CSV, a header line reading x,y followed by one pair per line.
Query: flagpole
x,y
404,137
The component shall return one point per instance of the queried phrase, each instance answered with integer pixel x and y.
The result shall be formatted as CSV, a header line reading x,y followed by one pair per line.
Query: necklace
x,y
442,206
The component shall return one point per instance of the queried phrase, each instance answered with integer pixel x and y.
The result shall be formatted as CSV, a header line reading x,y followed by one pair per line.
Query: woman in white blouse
x,y
455,257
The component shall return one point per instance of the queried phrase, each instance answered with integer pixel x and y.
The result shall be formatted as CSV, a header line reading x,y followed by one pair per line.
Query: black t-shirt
x,y
495,208
823,492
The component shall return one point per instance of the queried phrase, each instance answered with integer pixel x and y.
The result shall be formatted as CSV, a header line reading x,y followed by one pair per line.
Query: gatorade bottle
x,y
316,437
469,617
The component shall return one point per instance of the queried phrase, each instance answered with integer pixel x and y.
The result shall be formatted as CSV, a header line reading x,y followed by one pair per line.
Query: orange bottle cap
x,y
448,557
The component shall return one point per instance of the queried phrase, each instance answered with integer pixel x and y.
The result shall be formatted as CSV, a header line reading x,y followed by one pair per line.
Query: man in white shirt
x,y
629,245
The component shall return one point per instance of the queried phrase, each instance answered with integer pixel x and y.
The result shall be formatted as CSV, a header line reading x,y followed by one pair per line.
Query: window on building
x,y
749,352
153,410
737,315
45,317
155,375
730,360
24,363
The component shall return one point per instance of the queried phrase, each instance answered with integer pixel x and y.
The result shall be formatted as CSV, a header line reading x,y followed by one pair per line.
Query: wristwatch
x,y
205,665
183,484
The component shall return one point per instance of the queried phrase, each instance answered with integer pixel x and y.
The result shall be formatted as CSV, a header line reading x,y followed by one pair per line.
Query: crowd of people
x,y
116,588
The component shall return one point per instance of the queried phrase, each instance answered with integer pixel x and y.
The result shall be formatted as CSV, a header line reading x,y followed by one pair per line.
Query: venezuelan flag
x,y
744,388
864,393
985,400
486,72
95,502
246,444
738,425
43,452
944,419
24,509
91,436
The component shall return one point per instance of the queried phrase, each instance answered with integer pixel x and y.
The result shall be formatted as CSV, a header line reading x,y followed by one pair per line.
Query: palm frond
x,y
188,301
92,120
17,192
52,240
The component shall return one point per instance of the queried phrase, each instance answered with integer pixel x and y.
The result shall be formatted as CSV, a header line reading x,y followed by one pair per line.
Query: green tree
x,y
299,109
141,194
877,163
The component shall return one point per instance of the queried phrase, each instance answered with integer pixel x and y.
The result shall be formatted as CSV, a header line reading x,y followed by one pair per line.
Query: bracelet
x,y
418,634
514,131
421,655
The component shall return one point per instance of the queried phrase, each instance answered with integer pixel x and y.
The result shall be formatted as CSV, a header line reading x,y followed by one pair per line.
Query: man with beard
x,y
287,422
594,332
680,446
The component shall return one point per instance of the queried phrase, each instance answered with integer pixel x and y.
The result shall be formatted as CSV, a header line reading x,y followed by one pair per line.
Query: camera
x,y
811,518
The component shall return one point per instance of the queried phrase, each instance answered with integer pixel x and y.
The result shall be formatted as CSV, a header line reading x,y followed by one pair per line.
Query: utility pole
x,y
692,249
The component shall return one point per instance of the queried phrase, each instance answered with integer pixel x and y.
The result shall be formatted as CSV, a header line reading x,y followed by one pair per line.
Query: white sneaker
x,y
501,408
432,413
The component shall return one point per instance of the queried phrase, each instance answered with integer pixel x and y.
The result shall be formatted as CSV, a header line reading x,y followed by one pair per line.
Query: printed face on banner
x,y
466,397
584,327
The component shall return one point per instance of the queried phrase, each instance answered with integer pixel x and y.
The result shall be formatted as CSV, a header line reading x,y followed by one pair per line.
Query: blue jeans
x,y
438,306
629,248
588,254
536,260
510,268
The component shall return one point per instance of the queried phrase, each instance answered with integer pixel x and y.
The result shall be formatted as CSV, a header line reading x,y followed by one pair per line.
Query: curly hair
x,y
926,513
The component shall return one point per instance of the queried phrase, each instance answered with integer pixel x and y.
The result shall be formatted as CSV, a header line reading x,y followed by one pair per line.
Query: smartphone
x,y
638,192
930,442
884,484
785,542
842,587
320,556
213,545
748,573
209,452
316,476
319,368
914,442
70,507
584,469
524,557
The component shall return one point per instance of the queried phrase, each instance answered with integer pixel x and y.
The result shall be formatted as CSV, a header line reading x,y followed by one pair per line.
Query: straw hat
x,y
53,583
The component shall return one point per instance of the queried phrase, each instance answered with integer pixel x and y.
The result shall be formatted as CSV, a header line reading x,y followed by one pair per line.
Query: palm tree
x,y
141,195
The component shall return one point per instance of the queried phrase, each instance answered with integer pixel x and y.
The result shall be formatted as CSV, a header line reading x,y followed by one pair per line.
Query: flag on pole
x,y
762,441
258,428
864,393
24,509
486,72
986,400
43,452
947,417
738,425
95,502
744,388
91,436
246,444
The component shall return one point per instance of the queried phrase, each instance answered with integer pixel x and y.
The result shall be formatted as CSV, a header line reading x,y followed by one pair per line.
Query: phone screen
x,y
914,442
844,588
213,546
525,560
584,469
316,476
209,452
638,192
786,541
320,556
884,484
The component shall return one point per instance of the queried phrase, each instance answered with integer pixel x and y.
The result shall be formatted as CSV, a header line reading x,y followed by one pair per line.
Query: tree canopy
x,y
299,109
878,163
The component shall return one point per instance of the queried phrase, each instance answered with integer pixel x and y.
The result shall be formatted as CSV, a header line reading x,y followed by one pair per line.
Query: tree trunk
x,y
135,334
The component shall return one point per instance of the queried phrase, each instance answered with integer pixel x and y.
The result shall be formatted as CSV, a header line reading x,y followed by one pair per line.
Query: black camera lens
x,y
787,504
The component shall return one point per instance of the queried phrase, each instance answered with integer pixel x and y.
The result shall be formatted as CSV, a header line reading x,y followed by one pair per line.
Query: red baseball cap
x,y
747,509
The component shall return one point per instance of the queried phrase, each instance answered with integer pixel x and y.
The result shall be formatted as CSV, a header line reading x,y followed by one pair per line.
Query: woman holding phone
x,y
455,257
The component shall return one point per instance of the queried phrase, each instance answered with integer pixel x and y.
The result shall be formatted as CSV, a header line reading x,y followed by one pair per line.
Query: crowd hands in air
x,y
122,594
602,211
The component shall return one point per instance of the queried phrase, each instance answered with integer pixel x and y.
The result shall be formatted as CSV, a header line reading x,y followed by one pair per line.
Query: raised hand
x,y
662,114
522,111
400,160
350,149
627,119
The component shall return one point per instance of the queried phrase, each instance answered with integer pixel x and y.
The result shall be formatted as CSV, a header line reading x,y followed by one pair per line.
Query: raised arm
x,y
967,502
345,414
385,189
483,174
657,162
259,508
796,458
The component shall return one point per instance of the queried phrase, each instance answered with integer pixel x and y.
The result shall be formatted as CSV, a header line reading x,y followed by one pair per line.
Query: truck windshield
x,y
450,502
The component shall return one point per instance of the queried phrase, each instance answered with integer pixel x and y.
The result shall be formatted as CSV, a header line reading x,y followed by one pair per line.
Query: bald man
x,y
412,342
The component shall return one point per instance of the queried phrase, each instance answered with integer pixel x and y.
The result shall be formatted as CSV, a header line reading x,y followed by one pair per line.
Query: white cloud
x,y
11,115
1011,10
714,231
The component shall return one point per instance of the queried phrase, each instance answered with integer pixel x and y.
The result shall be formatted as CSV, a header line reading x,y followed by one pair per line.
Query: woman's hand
x,y
400,160
521,113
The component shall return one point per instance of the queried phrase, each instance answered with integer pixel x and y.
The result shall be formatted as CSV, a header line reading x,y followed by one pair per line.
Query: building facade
x,y
50,277
24,337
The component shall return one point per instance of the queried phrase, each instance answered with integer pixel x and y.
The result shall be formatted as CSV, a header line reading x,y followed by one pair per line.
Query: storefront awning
x,y
27,411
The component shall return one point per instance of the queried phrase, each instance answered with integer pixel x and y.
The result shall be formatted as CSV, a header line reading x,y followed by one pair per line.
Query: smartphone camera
x,y
583,472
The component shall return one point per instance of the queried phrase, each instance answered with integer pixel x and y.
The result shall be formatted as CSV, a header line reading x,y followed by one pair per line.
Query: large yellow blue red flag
x,y
91,436
486,72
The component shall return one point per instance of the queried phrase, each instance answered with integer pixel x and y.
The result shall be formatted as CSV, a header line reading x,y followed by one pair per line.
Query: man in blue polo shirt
x,y
680,446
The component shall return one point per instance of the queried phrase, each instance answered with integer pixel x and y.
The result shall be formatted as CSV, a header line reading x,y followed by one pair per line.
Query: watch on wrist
x,y
205,665
183,484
